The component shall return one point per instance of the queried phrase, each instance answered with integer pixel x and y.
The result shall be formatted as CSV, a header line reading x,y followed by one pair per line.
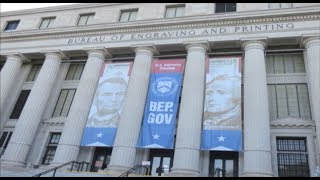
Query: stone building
x,y
51,59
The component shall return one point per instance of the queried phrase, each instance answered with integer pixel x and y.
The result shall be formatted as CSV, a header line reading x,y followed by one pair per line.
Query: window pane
x,y
3,138
272,102
285,5
51,22
292,100
20,104
133,15
12,25
274,5
269,65
278,64
180,11
170,12
32,73
44,23
71,71
90,19
124,16
60,102
231,7
282,101
82,20
304,103
78,72
299,63
220,7
67,103
288,63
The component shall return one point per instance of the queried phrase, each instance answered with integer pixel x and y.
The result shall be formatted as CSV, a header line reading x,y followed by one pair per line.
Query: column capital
x,y
101,52
254,43
308,41
17,56
148,49
55,52
202,46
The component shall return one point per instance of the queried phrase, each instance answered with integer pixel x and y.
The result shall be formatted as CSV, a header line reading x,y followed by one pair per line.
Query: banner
x,y
160,110
105,110
222,110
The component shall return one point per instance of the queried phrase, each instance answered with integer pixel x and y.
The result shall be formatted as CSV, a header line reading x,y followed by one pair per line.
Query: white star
x,y
99,135
156,136
221,138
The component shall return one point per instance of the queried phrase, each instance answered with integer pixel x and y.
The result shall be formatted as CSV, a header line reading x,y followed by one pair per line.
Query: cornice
x,y
213,20
292,122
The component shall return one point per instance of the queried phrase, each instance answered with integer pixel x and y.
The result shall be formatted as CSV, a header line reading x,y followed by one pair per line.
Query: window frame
x,y
51,20
175,11
8,24
130,11
279,5
225,7
64,101
49,147
85,15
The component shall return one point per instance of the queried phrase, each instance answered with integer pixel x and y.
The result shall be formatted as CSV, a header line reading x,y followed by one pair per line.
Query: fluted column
x,y
31,114
188,138
312,45
257,149
69,144
8,76
124,148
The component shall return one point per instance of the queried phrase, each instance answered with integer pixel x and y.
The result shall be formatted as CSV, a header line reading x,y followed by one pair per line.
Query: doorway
x,y
101,158
161,161
223,164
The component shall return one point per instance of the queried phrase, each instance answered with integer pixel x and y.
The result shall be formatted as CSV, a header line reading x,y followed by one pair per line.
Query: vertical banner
x,y
160,110
105,110
222,110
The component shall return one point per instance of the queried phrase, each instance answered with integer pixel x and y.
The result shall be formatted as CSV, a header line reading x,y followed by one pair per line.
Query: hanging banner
x,y
160,110
222,110
105,110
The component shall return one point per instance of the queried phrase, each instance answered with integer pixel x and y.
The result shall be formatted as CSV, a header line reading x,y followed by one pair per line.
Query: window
x,y
285,63
292,157
176,11
12,25
288,100
75,71
20,104
4,140
226,7
85,19
64,102
33,74
128,15
51,148
46,22
279,5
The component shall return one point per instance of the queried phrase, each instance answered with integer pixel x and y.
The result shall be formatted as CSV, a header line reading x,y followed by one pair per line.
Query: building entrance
x,y
223,164
161,161
101,158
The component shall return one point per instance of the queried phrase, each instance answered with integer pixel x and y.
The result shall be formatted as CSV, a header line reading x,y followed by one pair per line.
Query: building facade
x,y
51,59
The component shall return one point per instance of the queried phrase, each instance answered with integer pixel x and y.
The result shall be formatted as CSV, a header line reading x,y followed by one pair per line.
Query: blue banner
x,y
106,107
222,130
158,124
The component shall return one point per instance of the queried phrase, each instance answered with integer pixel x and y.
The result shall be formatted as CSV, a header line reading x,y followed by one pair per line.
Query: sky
x,y
19,6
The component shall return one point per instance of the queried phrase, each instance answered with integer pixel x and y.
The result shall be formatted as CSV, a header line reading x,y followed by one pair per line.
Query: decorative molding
x,y
55,120
214,20
286,78
292,122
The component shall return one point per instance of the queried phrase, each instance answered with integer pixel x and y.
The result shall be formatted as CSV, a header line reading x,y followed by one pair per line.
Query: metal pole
x,y
54,172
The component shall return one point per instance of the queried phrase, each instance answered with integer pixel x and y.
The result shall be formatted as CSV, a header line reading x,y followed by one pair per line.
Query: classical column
x,y
312,45
257,149
8,76
69,144
31,114
188,138
124,148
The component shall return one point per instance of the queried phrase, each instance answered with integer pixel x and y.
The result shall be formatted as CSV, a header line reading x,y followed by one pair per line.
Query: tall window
x,y
285,63
47,22
11,25
128,15
20,104
51,148
64,102
279,5
85,19
33,74
292,157
175,11
4,140
226,7
75,71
